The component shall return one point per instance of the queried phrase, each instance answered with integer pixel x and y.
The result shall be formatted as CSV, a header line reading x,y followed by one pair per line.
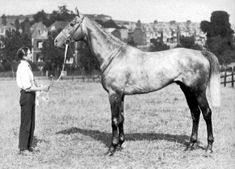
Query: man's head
x,y
24,53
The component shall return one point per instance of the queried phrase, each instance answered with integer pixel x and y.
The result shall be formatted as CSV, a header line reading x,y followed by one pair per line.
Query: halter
x,y
69,37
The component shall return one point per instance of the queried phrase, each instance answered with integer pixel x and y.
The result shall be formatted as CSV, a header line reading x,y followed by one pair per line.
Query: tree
x,y
53,56
63,14
4,19
219,36
172,22
220,24
107,24
206,27
188,42
25,25
158,45
41,17
228,56
12,42
131,42
17,24
86,59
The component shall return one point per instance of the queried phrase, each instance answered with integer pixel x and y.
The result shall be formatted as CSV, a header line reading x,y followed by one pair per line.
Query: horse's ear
x,y
76,9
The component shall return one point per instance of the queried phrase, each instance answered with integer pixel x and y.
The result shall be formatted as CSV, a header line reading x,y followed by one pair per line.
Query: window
x,y
40,45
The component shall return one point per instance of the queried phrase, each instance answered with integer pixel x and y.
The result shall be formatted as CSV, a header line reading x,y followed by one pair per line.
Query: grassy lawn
x,y
73,130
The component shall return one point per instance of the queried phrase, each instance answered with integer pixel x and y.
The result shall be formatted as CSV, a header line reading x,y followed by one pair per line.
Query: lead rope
x,y
65,55
62,70
40,95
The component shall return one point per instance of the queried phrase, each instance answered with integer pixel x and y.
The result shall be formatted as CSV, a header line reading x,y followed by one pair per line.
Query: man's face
x,y
29,56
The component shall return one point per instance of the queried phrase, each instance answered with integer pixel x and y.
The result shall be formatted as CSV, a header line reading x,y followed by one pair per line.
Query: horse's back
x,y
136,71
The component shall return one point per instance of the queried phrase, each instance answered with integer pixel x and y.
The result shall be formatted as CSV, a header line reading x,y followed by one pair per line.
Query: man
x,y
28,87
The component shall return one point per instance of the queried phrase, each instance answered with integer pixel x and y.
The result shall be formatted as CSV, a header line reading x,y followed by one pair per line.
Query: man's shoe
x,y
24,152
31,149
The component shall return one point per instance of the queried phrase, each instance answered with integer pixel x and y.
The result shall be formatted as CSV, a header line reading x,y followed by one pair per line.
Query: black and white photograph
x,y
117,84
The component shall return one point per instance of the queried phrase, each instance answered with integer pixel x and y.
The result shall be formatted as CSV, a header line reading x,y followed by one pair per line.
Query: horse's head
x,y
73,31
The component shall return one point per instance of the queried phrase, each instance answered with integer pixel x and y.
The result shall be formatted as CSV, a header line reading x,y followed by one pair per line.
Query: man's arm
x,y
38,88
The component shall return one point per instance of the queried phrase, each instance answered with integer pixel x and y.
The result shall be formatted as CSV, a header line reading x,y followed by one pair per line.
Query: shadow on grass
x,y
106,137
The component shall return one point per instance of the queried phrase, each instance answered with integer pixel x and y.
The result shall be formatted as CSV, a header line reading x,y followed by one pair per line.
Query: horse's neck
x,y
102,45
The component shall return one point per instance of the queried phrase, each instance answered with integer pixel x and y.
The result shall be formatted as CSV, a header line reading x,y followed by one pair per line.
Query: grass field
x,y
73,130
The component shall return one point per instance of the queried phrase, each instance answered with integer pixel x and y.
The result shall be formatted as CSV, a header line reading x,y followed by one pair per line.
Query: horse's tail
x,y
214,78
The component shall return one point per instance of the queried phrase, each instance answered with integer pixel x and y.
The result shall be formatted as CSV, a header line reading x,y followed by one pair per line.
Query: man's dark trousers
x,y
27,126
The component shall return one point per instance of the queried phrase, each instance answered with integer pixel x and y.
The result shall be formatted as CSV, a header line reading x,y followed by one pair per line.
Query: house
x,y
127,24
139,36
200,38
39,34
5,28
111,27
150,33
121,33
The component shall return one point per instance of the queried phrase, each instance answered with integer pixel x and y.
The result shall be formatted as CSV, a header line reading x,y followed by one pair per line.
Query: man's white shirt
x,y
24,75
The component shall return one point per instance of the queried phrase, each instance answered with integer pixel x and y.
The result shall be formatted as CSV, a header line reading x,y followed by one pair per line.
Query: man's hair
x,y
22,52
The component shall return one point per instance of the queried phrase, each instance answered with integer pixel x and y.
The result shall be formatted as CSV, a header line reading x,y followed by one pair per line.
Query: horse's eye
x,y
71,24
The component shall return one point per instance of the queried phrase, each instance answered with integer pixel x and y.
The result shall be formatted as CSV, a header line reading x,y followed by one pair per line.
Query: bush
x,y
158,45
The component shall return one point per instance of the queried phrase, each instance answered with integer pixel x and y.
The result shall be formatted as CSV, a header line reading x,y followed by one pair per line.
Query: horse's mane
x,y
108,36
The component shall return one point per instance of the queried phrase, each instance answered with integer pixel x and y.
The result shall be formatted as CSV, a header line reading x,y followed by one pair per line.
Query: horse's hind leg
x,y
206,111
195,113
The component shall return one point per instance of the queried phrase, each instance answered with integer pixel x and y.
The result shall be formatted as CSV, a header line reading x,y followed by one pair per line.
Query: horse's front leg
x,y
121,124
115,103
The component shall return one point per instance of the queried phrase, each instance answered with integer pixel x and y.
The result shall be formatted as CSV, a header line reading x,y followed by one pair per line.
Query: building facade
x,y
39,33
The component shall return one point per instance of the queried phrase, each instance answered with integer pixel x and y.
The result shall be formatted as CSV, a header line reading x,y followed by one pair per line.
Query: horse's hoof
x,y
111,151
119,148
209,149
208,153
190,147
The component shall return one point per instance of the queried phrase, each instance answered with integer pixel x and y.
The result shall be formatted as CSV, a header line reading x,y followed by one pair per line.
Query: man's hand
x,y
45,88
